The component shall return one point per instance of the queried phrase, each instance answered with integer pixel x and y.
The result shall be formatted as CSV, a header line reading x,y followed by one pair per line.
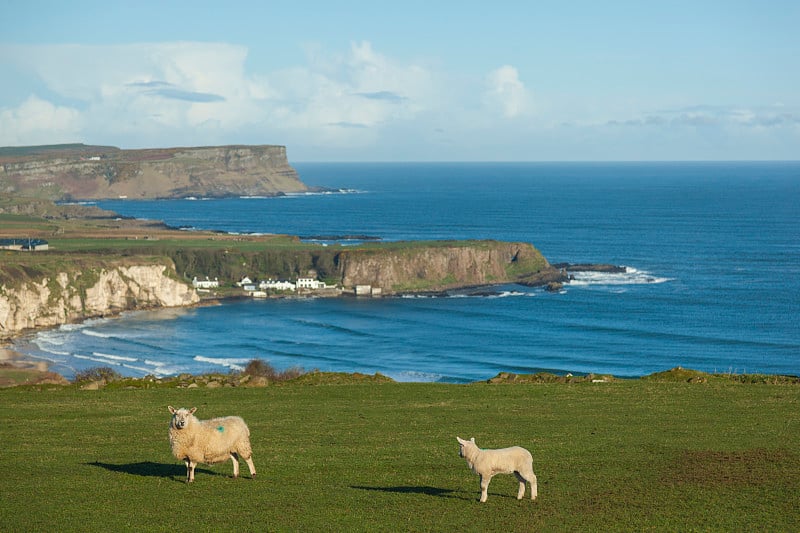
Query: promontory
x,y
85,172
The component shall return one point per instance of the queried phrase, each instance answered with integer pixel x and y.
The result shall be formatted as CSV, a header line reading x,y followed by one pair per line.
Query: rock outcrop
x,y
80,172
414,267
72,295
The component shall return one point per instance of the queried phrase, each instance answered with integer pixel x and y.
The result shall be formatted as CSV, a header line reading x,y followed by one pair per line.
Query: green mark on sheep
x,y
220,428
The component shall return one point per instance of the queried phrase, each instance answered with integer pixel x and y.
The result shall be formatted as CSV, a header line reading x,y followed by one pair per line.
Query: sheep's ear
x,y
473,440
460,440
171,409
192,410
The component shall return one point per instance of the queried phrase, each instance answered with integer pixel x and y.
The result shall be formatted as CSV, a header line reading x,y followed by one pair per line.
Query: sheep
x,y
487,463
209,441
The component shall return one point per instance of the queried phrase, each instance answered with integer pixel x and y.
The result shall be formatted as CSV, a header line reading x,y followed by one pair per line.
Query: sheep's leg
x,y
251,466
534,486
485,487
521,480
235,459
190,470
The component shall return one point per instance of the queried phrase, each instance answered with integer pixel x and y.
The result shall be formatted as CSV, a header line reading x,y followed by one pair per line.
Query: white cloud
x,y
36,119
356,103
174,93
506,92
719,117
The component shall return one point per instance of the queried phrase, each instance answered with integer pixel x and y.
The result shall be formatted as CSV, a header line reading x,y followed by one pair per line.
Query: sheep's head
x,y
180,417
462,443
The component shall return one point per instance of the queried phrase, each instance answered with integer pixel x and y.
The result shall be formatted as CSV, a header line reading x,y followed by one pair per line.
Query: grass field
x,y
621,456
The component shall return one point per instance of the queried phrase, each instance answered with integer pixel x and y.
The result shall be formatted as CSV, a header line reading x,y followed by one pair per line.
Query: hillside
x,y
628,455
84,172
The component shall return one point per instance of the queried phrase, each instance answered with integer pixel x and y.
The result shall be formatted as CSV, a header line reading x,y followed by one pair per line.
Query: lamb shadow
x,y
151,469
428,491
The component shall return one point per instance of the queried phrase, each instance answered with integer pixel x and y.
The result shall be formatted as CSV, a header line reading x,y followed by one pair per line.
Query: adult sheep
x,y
487,463
209,441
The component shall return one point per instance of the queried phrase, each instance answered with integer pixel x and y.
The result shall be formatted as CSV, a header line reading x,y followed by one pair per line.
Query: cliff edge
x,y
83,172
76,292
440,266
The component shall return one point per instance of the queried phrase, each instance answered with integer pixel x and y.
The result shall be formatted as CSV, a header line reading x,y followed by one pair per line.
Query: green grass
x,y
624,456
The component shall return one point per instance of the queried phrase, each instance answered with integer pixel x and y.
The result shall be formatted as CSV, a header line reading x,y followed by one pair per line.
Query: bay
x,y
713,281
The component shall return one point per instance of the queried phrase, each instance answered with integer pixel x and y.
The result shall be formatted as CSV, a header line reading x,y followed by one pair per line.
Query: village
x,y
309,286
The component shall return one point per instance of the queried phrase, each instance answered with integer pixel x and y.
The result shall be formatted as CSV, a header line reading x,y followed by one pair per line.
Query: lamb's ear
x,y
192,410
171,409
473,440
460,440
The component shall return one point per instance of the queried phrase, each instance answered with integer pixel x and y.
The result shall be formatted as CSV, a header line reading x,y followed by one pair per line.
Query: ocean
x,y
713,280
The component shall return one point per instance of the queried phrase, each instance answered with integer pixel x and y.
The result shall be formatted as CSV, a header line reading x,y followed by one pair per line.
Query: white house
x,y
205,283
309,283
276,285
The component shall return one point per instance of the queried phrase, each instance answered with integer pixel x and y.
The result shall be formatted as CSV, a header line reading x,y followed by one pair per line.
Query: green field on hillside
x,y
632,455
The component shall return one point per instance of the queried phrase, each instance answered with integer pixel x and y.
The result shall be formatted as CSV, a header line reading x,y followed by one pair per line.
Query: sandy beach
x,y
16,369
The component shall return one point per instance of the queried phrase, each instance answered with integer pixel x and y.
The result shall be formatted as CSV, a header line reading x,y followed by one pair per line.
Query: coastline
x,y
10,358
18,369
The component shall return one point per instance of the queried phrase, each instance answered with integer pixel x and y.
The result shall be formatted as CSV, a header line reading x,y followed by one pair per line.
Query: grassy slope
x,y
630,455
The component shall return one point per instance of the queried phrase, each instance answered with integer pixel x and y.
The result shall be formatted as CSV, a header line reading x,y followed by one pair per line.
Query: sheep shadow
x,y
427,491
151,469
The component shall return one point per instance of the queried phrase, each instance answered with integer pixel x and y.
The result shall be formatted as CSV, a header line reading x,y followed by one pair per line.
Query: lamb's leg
x,y
485,487
190,470
534,486
235,459
521,480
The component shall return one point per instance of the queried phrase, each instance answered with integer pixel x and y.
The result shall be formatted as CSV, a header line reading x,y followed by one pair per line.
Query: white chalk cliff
x,y
77,295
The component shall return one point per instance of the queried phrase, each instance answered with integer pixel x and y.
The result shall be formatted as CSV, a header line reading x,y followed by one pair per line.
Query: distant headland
x,y
86,172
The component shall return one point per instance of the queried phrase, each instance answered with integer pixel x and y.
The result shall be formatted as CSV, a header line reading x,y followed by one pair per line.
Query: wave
x,y
146,367
143,370
507,294
114,357
95,359
53,352
93,333
226,362
71,327
486,293
323,193
332,327
415,376
631,276
46,357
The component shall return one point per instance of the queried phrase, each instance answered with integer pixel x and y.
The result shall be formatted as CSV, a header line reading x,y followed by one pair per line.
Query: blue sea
x,y
712,252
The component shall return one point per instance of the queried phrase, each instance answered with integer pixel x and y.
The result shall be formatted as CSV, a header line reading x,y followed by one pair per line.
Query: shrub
x,y
260,368
98,373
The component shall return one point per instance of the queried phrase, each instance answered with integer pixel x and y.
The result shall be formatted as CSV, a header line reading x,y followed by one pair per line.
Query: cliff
x,y
74,292
47,289
419,267
81,172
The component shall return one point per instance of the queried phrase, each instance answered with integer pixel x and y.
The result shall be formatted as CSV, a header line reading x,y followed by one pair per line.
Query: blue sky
x,y
409,81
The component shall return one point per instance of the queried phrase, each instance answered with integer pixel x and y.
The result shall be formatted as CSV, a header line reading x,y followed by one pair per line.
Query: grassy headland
x,y
631,455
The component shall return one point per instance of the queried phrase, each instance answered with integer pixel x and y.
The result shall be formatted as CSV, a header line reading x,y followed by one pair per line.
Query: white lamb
x,y
209,441
487,463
